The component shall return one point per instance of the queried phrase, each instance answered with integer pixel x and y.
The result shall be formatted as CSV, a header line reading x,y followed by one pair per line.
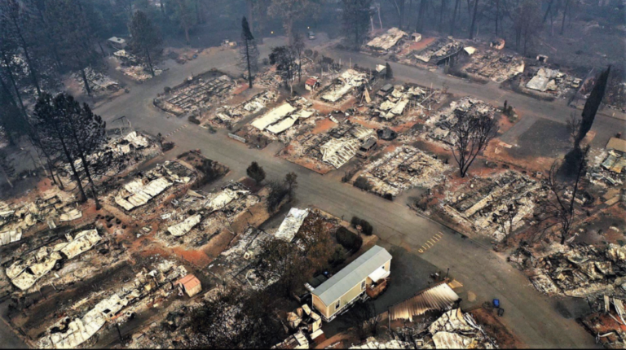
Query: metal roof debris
x,y
292,223
387,40
184,227
439,297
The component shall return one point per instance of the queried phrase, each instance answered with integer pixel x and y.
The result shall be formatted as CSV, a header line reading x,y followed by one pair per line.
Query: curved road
x,y
528,313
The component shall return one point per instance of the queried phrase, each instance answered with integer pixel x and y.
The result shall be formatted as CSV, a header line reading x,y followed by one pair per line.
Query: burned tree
x,y
471,135
388,71
76,40
88,133
66,127
145,37
474,15
249,51
51,127
284,59
292,11
297,47
356,19
526,24
13,17
291,181
6,168
256,172
560,205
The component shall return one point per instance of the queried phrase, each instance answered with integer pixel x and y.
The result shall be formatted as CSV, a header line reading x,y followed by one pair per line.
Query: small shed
x,y
311,84
416,37
368,144
117,43
190,284
617,144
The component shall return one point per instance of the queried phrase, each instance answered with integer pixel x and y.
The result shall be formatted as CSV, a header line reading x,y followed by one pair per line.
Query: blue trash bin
x,y
496,302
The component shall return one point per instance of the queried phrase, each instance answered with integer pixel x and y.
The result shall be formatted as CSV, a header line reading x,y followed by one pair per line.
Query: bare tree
x,y
526,24
573,126
560,205
6,168
473,25
297,47
471,134
453,21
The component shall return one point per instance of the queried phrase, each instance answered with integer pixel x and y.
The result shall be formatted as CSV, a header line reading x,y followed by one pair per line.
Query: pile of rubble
x,y
453,329
552,81
98,82
495,205
441,49
608,167
441,123
60,259
229,115
387,41
327,150
493,65
196,94
606,322
82,321
578,271
18,218
344,84
142,190
395,102
198,217
403,168
238,264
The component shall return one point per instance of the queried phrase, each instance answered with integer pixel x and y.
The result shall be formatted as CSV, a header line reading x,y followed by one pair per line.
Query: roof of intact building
x,y
617,144
352,274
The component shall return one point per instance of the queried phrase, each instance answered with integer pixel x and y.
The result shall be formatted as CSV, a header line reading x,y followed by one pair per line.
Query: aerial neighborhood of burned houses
x,y
313,174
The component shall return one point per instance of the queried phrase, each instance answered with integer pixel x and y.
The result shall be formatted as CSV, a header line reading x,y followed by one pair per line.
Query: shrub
x,y
356,221
194,119
338,257
367,228
349,240
278,192
362,183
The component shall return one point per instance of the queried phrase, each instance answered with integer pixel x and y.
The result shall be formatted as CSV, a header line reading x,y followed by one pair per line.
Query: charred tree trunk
x,y
85,81
420,18
564,16
497,16
453,21
473,26
150,62
443,7
31,67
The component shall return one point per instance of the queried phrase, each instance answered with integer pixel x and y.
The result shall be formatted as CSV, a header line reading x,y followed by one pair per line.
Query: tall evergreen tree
x,y
73,131
356,19
13,14
249,51
52,130
145,37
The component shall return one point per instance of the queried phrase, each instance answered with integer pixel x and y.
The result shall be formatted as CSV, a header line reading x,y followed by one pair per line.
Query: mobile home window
x,y
362,285
338,304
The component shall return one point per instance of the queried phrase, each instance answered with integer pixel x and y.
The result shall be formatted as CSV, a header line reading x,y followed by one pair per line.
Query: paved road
x,y
605,126
528,313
